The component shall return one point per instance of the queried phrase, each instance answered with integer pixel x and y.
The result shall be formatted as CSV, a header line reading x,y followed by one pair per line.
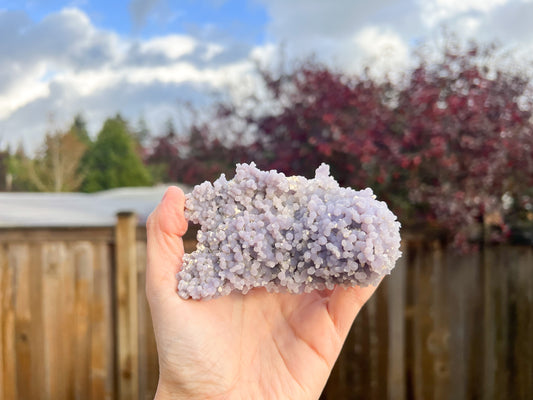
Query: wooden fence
x,y
444,326
74,322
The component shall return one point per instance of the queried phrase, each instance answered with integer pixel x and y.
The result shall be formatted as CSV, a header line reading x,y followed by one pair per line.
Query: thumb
x,y
164,229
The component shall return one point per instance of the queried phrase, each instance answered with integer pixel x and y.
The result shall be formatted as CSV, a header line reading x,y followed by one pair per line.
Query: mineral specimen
x,y
263,229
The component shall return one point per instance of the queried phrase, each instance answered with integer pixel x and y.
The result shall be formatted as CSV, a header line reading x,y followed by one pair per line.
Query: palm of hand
x,y
260,345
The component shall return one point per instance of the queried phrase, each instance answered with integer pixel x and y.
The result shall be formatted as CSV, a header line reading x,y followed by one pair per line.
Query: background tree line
x,y
70,160
449,145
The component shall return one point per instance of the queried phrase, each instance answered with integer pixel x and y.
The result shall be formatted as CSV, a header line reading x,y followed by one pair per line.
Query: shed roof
x,y
78,209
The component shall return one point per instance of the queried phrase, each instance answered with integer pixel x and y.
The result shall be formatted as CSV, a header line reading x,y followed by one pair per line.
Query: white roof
x,y
78,209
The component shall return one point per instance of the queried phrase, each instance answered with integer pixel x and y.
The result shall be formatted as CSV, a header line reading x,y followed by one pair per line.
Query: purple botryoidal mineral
x,y
292,234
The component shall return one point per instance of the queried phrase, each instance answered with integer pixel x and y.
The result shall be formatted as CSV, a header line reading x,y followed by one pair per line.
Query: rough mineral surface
x,y
263,229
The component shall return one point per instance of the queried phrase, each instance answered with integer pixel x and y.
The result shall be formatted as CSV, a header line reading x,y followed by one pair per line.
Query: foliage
x,y
17,178
141,134
112,160
444,148
164,152
55,167
79,130
449,146
324,116
466,141
4,170
194,157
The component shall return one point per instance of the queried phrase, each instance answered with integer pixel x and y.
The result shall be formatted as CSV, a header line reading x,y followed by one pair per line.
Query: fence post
x,y
127,306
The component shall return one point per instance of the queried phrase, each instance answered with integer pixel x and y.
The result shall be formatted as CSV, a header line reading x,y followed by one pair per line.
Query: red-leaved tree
x,y
195,156
467,142
449,147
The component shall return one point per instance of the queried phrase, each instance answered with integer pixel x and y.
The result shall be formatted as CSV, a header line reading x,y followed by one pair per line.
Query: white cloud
x,y
437,11
173,46
212,50
470,25
63,65
23,90
86,83
511,24
336,32
299,19
340,33
384,50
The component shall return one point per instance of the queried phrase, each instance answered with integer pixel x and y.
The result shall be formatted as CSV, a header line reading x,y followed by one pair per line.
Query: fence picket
x,y
7,325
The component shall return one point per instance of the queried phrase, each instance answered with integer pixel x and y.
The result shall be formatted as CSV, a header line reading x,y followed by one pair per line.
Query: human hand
x,y
255,346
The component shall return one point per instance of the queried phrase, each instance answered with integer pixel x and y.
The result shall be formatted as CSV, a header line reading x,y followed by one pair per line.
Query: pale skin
x,y
255,346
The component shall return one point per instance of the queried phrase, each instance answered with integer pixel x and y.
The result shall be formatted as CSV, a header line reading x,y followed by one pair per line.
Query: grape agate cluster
x,y
263,229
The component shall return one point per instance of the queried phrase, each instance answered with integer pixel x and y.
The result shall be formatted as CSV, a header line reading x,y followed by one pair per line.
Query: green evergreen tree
x,y
112,160
4,172
79,129
18,178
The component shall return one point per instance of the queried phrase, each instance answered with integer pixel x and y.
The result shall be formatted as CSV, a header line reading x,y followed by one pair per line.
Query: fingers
x,y
165,227
344,305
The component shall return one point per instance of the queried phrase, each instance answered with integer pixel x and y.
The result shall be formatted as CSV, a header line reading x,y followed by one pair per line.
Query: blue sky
x,y
240,19
145,58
